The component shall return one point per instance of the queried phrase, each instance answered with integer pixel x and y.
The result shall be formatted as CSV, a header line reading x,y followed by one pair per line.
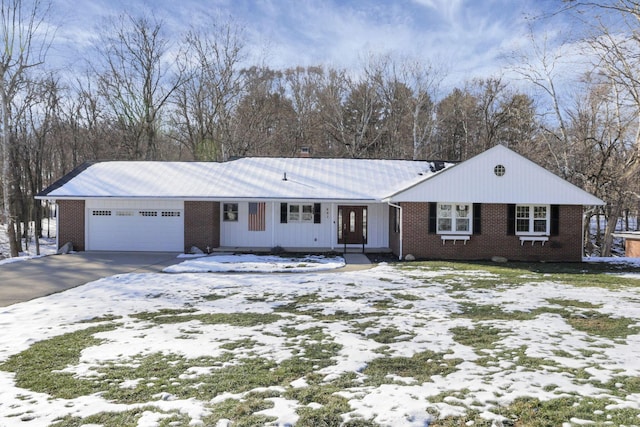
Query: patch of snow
x,y
256,264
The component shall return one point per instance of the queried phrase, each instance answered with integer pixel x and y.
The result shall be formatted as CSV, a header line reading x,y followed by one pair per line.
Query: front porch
x,y
350,249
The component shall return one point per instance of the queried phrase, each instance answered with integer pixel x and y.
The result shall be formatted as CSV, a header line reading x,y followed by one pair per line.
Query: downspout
x,y
55,202
401,227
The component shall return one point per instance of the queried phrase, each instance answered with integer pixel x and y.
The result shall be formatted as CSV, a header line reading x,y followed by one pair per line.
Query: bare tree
x,y
613,41
543,69
210,95
302,85
25,41
136,77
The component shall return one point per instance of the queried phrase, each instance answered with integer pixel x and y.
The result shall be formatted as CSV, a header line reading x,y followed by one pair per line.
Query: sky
x,y
468,38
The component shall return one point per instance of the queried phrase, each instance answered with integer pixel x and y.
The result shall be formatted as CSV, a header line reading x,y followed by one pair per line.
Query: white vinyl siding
x,y
302,234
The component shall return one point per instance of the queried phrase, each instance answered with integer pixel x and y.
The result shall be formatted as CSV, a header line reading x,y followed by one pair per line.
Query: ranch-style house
x,y
497,203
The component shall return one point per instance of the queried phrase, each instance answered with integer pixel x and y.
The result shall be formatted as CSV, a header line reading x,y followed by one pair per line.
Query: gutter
x,y
401,227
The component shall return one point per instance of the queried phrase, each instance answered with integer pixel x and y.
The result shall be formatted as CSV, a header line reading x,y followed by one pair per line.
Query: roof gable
x,y
474,180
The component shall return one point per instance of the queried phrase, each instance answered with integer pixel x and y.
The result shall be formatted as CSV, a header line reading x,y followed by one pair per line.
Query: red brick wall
x,y
567,246
71,223
201,225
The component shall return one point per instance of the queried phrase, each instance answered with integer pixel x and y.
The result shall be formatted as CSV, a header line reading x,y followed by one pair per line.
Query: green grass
x,y
390,335
420,366
36,367
532,412
479,336
241,412
128,418
515,273
589,321
183,316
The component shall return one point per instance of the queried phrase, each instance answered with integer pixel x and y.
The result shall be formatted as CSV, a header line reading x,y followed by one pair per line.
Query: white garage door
x,y
115,229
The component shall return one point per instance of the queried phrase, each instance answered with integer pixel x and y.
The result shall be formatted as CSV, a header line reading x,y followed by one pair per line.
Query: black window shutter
x,y
555,220
317,217
433,207
283,213
511,220
477,218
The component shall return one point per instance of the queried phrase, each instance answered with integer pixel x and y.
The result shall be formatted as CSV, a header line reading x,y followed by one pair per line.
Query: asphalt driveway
x,y
25,280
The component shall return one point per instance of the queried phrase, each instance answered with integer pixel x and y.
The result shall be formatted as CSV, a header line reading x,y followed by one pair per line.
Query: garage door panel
x,y
136,229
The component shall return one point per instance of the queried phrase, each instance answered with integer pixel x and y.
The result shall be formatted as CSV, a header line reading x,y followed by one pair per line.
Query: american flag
x,y
256,216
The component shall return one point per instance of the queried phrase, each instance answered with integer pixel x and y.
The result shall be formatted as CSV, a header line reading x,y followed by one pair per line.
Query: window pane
x,y
230,211
307,212
522,225
462,225
444,224
294,212
522,211
364,223
462,211
540,225
352,222
539,211
444,211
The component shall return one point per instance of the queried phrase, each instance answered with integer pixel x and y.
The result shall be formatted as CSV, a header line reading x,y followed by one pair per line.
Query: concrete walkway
x,y
25,280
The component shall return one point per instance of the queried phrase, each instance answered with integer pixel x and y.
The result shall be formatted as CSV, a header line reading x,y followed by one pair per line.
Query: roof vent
x,y
284,177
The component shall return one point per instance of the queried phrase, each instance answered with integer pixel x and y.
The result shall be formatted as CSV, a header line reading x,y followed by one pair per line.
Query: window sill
x,y
462,237
534,239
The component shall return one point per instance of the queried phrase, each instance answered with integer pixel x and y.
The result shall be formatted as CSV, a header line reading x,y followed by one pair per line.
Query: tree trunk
x,y
612,220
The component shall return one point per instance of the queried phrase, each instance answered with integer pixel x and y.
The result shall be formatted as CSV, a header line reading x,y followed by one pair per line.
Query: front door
x,y
352,225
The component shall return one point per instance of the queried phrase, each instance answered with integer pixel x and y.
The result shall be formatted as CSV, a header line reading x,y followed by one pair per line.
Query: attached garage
x,y
135,226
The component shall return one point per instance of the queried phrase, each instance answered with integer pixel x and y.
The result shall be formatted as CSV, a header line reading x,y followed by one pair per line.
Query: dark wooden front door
x,y
352,225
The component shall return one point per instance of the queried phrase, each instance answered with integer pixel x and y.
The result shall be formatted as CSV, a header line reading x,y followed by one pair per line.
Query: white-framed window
x,y
300,213
532,219
230,212
454,218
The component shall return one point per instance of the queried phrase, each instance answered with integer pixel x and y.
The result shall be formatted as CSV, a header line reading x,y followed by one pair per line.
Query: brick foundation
x,y
71,219
201,225
493,241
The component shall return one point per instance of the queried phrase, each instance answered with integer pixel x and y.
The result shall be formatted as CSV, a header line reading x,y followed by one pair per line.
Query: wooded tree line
x,y
147,95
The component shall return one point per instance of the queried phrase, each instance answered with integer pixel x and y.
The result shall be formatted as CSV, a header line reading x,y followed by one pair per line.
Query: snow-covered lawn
x,y
412,344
